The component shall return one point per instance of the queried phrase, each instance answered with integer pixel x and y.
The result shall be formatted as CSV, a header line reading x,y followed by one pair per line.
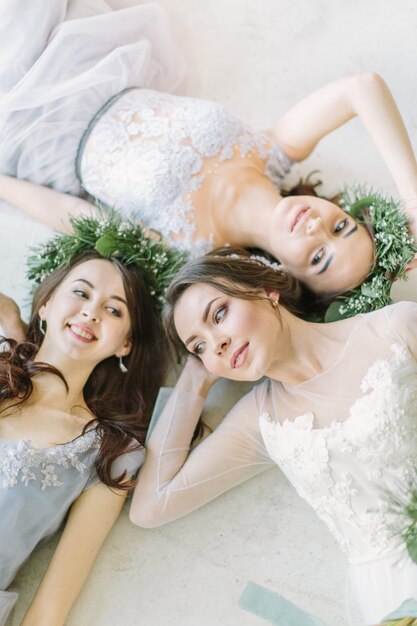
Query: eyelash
x,y
319,255
218,316
344,223
83,294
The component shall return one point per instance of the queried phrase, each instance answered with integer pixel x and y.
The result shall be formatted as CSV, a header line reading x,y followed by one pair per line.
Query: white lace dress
x,y
346,440
86,87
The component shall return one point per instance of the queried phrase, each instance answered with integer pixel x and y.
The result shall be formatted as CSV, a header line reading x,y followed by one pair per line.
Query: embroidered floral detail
x,y
155,146
345,470
22,462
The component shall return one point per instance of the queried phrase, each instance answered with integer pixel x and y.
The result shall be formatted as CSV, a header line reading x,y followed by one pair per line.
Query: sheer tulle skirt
x,y
60,63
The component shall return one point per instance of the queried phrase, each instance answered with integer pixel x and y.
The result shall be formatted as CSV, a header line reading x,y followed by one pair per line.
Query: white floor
x,y
257,58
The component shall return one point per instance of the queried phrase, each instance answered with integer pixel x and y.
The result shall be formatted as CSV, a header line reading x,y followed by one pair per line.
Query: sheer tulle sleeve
x,y
174,481
402,317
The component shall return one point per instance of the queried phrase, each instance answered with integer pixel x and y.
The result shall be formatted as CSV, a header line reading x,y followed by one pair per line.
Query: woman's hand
x,y
11,324
195,378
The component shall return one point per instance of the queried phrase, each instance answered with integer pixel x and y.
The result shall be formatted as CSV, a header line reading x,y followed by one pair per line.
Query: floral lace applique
x,y
20,461
144,155
347,470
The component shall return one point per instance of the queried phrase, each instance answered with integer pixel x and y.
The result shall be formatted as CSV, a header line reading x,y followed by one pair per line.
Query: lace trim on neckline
x,y
21,462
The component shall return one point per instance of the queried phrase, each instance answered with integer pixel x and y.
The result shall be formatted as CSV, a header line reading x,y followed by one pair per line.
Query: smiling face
x,y
87,315
320,244
234,338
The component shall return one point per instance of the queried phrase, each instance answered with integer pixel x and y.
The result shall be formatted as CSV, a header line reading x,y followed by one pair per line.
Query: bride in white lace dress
x,y
82,109
337,414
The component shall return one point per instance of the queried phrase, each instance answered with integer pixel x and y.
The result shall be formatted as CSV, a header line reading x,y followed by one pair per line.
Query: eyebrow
x,y
87,282
204,318
352,230
330,257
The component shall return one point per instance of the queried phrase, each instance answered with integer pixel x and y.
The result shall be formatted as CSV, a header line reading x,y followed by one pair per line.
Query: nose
x,y
222,345
314,225
90,313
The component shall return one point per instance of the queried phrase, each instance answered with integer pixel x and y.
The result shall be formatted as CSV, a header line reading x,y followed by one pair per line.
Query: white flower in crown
x,y
261,259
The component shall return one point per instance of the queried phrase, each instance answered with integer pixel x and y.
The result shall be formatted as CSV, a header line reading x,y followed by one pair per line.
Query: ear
x,y
126,348
43,310
273,295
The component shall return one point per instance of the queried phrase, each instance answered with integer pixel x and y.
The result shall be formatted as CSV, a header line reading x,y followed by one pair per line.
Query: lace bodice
x,y
144,154
347,470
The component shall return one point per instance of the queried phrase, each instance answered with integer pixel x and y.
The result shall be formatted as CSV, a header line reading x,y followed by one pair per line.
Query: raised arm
x,y
46,205
90,519
174,481
368,97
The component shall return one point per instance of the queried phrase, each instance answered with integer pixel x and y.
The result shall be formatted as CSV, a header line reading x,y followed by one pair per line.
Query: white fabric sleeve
x,y
174,481
402,318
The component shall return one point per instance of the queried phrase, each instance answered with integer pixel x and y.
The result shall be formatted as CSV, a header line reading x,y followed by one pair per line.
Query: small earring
x,y
122,366
275,303
41,327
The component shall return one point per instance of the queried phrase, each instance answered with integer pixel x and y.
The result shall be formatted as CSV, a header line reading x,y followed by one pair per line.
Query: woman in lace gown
x,y
339,420
68,442
185,167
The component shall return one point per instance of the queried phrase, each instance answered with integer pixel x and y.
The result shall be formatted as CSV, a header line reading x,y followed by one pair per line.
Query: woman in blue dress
x,y
75,401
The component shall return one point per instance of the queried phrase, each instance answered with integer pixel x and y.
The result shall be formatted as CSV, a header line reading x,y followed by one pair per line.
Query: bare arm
x,y
368,97
46,205
90,519
174,480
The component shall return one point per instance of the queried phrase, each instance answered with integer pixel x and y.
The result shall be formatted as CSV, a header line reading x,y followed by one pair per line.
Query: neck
x,y
50,389
306,349
242,208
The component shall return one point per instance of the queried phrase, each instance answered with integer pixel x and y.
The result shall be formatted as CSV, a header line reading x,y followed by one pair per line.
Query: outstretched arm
x,y
174,481
46,205
368,97
90,519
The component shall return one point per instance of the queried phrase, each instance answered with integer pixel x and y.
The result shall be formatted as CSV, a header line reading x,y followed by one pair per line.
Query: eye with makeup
x,y
317,257
341,225
82,293
219,314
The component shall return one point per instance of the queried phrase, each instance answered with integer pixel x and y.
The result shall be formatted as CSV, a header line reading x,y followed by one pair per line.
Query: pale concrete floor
x,y
257,58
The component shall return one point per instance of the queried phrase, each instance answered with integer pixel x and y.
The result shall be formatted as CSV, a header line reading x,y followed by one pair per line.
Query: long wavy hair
x,y
235,272
120,404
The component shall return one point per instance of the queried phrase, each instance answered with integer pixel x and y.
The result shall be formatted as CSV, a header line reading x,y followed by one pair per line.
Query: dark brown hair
x,y
235,272
121,404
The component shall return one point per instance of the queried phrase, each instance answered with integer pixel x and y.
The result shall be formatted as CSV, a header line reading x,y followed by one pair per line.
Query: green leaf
x,y
411,543
369,291
106,245
333,314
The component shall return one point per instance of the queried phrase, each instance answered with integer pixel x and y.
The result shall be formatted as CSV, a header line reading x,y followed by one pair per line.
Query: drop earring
x,y
41,327
122,366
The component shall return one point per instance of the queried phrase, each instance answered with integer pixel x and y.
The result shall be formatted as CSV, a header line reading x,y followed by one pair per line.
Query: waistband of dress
x,y
96,117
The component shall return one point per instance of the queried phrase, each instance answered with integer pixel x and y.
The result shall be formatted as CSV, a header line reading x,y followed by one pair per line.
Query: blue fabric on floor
x,y
274,608
407,609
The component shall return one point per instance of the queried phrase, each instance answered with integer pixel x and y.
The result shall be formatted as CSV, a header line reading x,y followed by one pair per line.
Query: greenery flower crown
x,y
112,236
395,247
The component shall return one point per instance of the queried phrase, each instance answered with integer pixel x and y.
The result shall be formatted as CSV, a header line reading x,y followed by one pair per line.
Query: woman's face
x,y
87,316
320,244
234,338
